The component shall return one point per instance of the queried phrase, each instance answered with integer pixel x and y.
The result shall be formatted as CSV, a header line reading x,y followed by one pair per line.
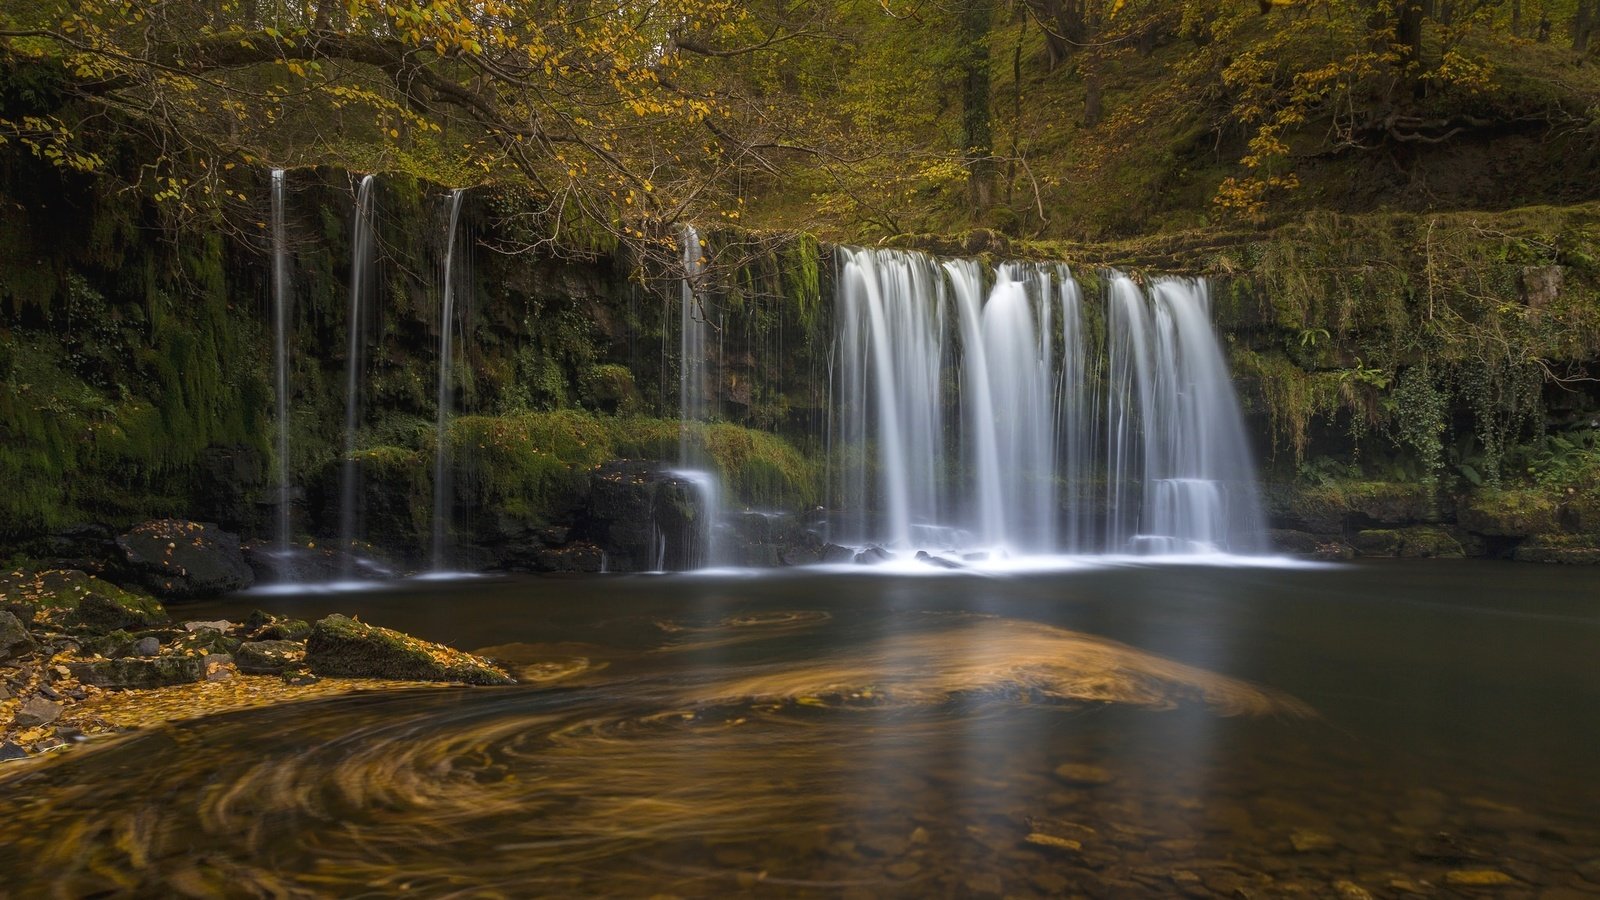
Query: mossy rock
x,y
139,674
341,646
60,597
1567,549
1420,542
179,559
269,657
14,638
1508,513
1329,509
263,626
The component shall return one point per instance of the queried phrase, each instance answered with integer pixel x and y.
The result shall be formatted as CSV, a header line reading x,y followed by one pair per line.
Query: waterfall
x,y
280,361
693,404
361,241
441,469
1024,470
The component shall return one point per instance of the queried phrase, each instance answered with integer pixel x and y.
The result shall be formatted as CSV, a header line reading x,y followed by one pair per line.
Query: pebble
x,y
10,751
905,869
1349,890
1051,842
1306,841
987,883
5,692
1478,877
147,646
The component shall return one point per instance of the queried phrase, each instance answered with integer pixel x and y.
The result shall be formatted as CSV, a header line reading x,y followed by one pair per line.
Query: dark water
x,y
1251,732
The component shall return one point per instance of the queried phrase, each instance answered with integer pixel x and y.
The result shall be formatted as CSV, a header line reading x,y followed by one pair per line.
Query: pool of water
x,y
1109,731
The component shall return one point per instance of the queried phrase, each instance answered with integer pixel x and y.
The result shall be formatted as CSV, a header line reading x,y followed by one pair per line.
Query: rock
x,y
939,561
1083,775
1307,841
1416,542
833,554
140,674
271,564
1567,549
1300,543
1508,513
299,678
5,692
147,646
58,596
1349,890
873,556
904,870
204,642
986,884
269,657
179,559
647,516
219,625
342,646
14,638
10,751
263,626
48,692
38,711
1478,877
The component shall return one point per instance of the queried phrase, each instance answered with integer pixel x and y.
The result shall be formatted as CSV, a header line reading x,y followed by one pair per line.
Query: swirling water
x,y
1266,730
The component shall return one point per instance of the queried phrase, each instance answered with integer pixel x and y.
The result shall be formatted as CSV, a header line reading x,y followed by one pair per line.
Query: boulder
x,y
1508,513
268,657
1417,542
263,626
104,612
646,516
139,674
38,711
56,596
179,559
341,646
1567,549
14,638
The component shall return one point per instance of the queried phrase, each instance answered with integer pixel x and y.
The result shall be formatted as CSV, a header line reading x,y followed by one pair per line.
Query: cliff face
x,y
1417,384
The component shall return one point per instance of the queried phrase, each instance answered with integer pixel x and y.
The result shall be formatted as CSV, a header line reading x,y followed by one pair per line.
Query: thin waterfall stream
x,y
361,243
441,469
280,367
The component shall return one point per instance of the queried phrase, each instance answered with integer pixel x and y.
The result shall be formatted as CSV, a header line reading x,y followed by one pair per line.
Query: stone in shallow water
x,y
1305,840
10,751
268,657
1053,843
122,674
1478,877
1083,774
1349,890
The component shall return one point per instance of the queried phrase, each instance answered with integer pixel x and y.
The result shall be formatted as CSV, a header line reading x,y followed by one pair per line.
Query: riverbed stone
x,y
1083,774
38,711
1478,877
268,657
14,638
180,559
140,674
344,647
10,751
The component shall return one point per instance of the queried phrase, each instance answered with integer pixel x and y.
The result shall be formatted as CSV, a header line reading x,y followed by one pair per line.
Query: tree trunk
x,y
1584,22
1408,31
977,140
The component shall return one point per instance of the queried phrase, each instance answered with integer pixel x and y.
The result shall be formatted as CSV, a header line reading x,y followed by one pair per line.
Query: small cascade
x,y
694,404
1060,445
361,243
442,498
280,362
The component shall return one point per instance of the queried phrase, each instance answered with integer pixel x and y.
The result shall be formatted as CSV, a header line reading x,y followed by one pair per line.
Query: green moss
x,y
58,594
345,647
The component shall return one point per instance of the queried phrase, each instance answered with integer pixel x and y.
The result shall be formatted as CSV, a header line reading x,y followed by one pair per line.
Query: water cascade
x,y
694,406
361,241
441,470
1022,471
280,358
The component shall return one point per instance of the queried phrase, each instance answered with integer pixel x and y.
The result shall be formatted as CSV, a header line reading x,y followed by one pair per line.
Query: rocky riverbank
x,y
80,656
